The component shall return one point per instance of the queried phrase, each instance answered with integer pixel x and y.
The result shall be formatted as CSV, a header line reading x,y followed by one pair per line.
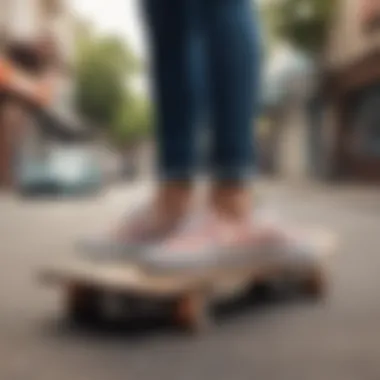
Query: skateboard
x,y
186,297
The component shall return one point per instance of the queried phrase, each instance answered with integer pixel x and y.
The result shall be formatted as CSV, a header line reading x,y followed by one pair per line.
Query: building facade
x,y
352,91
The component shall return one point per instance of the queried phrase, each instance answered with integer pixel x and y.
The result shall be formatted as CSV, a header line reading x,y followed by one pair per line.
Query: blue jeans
x,y
205,64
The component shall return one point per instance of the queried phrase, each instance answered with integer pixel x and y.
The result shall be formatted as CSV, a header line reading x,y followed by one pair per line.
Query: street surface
x,y
279,339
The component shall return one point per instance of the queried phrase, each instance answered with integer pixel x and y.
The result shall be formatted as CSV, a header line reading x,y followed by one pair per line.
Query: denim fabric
x,y
206,69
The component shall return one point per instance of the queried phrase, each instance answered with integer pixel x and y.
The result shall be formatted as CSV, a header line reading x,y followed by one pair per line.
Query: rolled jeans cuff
x,y
233,173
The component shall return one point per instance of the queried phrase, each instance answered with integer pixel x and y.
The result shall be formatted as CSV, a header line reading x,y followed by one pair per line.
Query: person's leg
x,y
233,48
175,48
234,56
175,57
226,231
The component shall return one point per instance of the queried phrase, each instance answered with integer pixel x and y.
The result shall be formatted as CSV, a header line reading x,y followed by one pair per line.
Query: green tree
x,y
104,65
134,122
304,23
269,15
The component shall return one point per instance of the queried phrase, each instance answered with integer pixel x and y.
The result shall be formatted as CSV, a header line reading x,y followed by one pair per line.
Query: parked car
x,y
63,170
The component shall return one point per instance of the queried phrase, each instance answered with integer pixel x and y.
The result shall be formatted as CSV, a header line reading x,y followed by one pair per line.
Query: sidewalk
x,y
314,188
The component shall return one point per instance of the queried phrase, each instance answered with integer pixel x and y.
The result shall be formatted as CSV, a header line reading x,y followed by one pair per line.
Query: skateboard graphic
x,y
188,296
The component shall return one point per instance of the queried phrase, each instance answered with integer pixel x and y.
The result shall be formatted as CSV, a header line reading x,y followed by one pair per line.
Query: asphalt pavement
x,y
282,337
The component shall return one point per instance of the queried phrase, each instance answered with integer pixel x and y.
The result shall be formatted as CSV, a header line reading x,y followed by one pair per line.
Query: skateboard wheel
x,y
191,313
82,305
314,284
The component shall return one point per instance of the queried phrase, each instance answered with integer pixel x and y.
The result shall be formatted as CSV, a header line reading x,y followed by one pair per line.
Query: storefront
x,y
352,91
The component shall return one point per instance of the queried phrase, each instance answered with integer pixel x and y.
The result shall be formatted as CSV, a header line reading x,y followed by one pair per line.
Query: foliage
x,y
105,65
134,121
304,23
100,90
269,15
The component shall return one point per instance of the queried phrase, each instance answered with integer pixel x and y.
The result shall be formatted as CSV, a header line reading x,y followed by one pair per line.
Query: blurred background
x,y
91,133
318,111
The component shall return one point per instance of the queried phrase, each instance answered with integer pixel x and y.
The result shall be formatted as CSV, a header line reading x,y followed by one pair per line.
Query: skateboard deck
x,y
189,294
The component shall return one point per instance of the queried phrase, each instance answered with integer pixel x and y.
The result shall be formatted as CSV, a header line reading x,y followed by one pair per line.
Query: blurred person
x,y
204,52
25,58
38,63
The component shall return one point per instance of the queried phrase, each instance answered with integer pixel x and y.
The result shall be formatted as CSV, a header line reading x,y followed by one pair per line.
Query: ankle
x,y
233,202
175,198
